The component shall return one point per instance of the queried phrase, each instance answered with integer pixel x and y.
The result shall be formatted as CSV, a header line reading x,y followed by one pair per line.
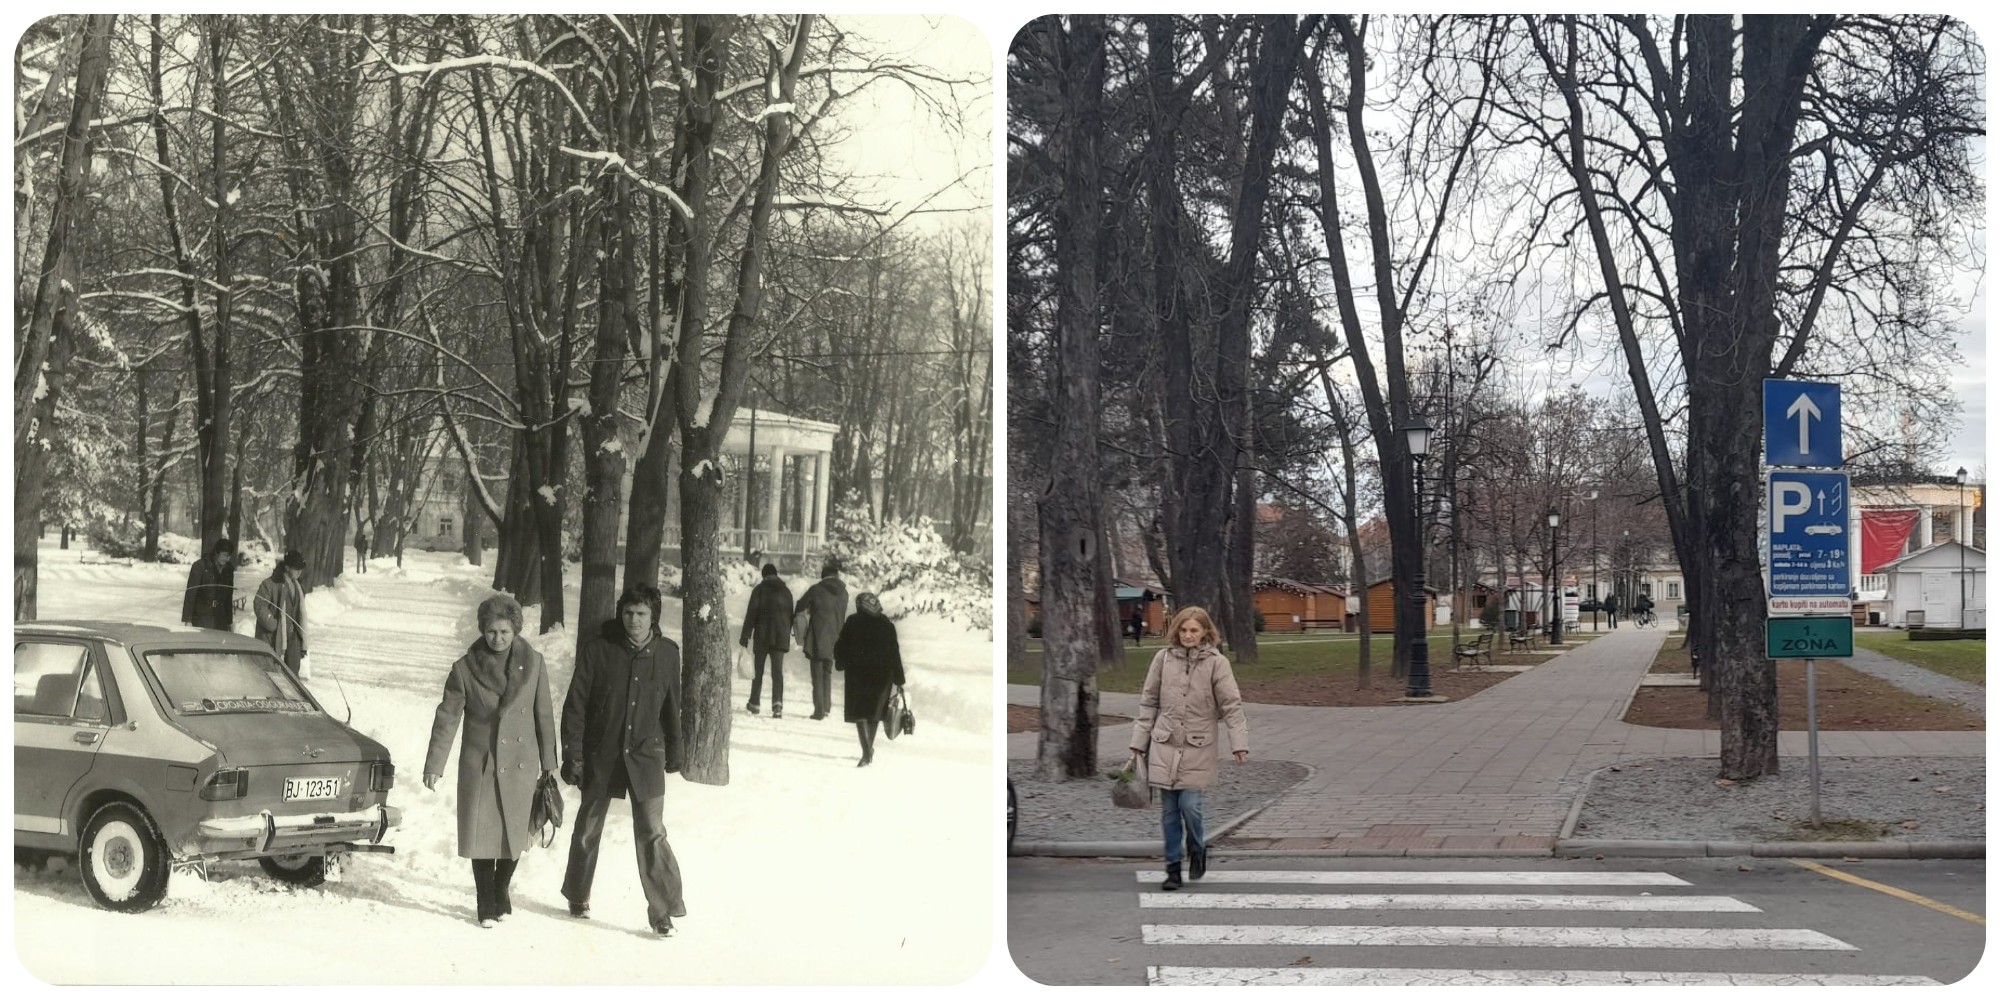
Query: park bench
x,y
1522,640
1308,624
1474,651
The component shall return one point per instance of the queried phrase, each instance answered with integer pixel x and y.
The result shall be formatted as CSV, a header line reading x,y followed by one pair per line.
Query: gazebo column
x,y
773,498
822,475
1924,526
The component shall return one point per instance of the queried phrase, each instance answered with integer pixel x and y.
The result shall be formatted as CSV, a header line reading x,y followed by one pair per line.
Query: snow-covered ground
x,y
802,870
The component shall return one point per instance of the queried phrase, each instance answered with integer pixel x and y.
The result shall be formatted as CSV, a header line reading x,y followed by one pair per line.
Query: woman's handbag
x,y
1129,788
545,813
897,718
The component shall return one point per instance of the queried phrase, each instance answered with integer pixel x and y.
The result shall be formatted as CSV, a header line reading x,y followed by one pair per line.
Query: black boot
x,y
1197,861
867,744
482,885
1173,876
503,878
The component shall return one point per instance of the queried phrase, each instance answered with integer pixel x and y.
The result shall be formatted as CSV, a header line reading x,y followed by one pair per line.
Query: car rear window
x,y
207,682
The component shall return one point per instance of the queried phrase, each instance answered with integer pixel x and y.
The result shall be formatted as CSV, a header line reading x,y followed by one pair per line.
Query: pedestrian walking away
x,y
820,613
1189,688
1138,625
867,653
767,630
1611,609
281,612
209,601
621,734
500,690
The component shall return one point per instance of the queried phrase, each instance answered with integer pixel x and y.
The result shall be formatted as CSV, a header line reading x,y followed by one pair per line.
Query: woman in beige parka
x,y
1189,688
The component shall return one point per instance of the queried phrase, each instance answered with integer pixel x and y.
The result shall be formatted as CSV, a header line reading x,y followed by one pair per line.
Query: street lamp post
x,y
1595,597
1417,433
1555,584
1963,527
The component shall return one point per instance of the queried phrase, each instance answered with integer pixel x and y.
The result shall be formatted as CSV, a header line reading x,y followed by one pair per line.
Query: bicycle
x,y
1646,618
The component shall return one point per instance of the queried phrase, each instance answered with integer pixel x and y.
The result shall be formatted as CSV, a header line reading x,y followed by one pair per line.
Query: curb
x,y
1771,849
1116,848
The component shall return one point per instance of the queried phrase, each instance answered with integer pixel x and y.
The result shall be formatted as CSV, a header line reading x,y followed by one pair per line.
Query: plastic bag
x,y
1129,788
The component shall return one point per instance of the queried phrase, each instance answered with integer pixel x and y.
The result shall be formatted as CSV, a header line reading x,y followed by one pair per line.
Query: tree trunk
x,y
47,322
1070,507
706,697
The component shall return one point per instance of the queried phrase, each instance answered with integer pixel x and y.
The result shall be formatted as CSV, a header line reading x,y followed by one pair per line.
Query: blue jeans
x,y
1180,820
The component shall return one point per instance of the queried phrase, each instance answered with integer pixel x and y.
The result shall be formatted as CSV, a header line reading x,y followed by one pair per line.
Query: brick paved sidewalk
x,y
1499,769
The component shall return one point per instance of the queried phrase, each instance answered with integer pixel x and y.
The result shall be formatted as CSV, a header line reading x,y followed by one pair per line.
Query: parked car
x,y
138,748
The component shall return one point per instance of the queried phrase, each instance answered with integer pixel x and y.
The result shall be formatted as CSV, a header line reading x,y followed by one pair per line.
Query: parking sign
x,y
1807,530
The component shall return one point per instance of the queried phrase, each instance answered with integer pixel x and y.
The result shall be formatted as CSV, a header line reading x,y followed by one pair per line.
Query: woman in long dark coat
x,y
500,687
867,653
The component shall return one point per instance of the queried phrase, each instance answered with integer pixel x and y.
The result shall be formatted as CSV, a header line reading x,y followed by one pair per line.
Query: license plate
x,y
299,789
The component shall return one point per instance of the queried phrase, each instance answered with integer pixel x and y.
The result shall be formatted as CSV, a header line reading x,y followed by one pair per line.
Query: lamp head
x,y
1961,475
1417,434
1555,517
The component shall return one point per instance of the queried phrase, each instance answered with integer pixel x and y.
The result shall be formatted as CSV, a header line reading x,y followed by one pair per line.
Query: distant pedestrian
x,y
211,588
867,653
1189,688
1611,609
1138,624
819,615
621,732
361,547
767,630
500,688
281,612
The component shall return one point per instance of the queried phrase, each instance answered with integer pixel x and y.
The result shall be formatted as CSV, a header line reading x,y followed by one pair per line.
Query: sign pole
x,y
1812,737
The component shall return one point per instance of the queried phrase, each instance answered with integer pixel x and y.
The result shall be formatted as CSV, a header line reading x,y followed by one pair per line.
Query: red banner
x,y
1883,533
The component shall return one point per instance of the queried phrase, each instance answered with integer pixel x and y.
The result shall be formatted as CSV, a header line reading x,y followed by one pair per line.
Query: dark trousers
x,y
822,679
659,873
777,658
491,878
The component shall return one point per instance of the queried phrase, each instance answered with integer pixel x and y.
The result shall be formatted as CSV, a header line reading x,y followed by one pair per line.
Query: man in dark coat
x,y
1611,609
211,588
823,610
621,733
768,620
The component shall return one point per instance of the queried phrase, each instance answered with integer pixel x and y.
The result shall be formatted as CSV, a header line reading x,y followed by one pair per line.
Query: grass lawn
x,y
1964,659
1848,699
1311,670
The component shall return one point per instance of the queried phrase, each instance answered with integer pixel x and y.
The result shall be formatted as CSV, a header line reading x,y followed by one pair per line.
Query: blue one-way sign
x,y
1808,533
1801,423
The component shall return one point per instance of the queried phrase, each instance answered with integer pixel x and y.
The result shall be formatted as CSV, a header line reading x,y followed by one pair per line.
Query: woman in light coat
x,y
1189,688
500,688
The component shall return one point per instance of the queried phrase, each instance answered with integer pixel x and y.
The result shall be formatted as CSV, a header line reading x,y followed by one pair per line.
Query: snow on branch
x,y
611,159
507,63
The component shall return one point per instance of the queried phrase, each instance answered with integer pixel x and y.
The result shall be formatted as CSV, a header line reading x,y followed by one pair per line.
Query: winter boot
x,y
777,710
1173,876
750,707
1197,862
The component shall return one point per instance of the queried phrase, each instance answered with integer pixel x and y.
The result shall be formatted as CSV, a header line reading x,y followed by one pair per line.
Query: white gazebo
x,y
1926,587
789,462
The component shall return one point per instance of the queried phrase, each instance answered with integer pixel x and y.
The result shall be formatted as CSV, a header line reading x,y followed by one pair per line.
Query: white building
x,y
1940,586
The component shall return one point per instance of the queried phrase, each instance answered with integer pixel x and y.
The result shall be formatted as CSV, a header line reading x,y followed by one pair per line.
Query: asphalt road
x,y
1310,921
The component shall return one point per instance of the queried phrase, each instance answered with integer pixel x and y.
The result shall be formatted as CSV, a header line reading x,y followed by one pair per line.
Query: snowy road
x,y
803,870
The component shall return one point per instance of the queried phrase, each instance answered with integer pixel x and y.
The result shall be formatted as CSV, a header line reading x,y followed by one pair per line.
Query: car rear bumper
x,y
268,833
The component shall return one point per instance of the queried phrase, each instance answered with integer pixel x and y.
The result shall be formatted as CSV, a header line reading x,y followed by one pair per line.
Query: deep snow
x,y
802,870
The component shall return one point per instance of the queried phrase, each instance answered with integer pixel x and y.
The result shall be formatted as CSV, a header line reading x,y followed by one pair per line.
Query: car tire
x,y
1013,810
307,870
124,859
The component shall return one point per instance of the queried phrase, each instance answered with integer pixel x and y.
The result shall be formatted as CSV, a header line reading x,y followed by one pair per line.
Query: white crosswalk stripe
x,y
1522,892
1180,975
1220,877
1439,901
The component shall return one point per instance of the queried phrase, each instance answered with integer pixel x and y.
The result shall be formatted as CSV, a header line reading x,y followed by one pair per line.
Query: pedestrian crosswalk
x,y
1436,918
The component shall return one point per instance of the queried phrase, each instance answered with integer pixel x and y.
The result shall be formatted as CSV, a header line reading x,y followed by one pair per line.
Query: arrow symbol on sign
x,y
1822,500
1804,409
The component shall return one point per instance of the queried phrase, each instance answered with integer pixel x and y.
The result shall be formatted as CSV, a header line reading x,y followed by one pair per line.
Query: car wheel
x,y
1012,810
306,870
124,859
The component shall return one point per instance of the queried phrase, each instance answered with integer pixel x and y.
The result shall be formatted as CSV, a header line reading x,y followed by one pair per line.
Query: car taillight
x,y
382,776
229,783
